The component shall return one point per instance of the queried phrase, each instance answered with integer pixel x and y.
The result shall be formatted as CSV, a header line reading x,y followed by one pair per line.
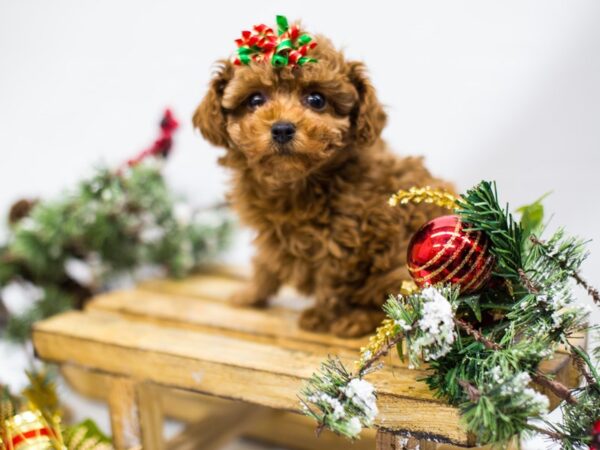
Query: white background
x,y
504,90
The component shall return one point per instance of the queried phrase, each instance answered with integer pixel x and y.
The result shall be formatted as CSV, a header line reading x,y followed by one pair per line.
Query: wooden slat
x,y
151,416
216,287
214,431
188,311
186,406
292,431
279,428
228,367
124,413
274,325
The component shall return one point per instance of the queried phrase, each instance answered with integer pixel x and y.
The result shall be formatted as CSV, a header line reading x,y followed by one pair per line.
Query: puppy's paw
x,y
314,319
248,297
356,323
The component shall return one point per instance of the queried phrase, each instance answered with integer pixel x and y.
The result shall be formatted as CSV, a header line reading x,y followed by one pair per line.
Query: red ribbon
x,y
288,47
31,434
161,146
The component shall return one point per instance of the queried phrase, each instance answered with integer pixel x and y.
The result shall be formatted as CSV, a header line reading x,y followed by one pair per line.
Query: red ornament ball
x,y
595,438
441,251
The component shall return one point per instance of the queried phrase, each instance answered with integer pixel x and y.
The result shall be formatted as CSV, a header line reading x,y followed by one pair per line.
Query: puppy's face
x,y
286,123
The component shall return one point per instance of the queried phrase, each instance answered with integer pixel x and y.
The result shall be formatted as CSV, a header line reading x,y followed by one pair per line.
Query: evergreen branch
x,y
592,291
581,355
344,403
477,335
480,209
580,365
528,283
579,419
557,436
472,392
559,389
474,395
500,407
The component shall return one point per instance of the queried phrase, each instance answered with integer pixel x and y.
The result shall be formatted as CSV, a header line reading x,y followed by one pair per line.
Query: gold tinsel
x,y
385,332
427,194
41,394
408,287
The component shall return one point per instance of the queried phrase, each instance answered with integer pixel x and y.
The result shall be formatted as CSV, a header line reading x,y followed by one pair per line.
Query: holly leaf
x,y
532,216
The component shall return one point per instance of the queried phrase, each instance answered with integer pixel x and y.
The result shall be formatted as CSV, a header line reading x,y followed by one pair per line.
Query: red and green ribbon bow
x,y
288,47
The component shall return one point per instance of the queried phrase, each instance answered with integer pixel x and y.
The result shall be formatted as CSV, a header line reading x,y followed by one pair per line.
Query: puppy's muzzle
x,y
283,132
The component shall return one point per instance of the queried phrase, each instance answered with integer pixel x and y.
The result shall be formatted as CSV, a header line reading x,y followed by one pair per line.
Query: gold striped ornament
x,y
29,430
443,251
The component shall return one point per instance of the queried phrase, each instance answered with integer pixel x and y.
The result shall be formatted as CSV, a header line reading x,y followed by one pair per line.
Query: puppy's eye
x,y
316,101
255,100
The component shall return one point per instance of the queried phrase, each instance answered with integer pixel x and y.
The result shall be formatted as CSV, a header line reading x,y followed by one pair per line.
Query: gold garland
x,y
427,194
386,331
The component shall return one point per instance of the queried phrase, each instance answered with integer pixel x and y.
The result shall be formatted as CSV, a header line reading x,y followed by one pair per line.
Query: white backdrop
x,y
497,90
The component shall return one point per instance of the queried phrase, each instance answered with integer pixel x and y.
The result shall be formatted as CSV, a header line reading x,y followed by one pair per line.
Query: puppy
x,y
312,176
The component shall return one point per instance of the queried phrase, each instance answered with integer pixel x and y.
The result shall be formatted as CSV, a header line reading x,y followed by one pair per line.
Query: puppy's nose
x,y
283,132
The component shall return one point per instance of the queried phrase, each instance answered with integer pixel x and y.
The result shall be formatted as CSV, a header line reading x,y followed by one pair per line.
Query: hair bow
x,y
288,47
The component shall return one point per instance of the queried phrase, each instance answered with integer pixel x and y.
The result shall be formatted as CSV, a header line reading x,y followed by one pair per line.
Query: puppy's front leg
x,y
263,285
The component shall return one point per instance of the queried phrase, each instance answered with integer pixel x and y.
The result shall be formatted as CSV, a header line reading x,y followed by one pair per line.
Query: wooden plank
x,y
227,367
215,287
200,300
279,428
293,431
273,324
150,416
178,404
218,287
184,405
216,430
124,413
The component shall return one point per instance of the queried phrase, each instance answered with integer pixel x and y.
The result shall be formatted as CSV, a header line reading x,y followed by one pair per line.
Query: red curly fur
x,y
320,208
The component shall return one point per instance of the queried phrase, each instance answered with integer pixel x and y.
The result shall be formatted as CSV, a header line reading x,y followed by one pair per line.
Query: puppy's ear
x,y
209,117
369,118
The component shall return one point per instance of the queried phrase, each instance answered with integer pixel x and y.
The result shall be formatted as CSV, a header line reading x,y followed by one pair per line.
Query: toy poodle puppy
x,y
312,176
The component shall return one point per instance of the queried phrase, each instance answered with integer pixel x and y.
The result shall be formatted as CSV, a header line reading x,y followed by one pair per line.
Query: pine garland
x,y
484,349
109,225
